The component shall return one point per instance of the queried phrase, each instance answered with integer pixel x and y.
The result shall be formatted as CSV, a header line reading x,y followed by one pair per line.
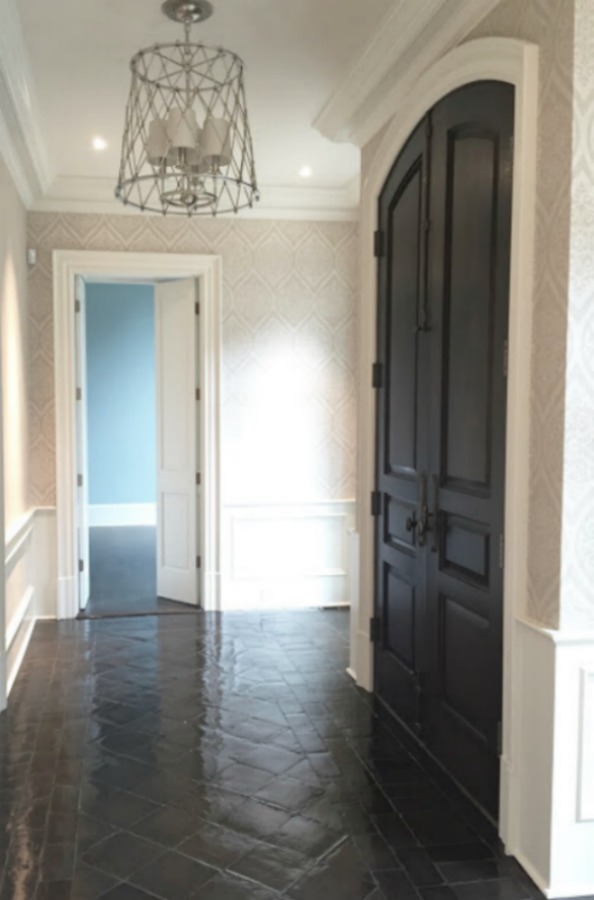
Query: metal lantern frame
x,y
185,96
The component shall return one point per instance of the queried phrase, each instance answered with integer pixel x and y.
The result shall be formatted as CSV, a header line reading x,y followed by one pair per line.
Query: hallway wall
x,y
288,390
22,586
16,375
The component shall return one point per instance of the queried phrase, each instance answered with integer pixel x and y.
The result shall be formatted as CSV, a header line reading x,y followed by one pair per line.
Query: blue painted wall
x,y
121,393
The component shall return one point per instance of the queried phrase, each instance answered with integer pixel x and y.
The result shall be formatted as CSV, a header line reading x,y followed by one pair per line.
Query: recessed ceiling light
x,y
305,171
99,143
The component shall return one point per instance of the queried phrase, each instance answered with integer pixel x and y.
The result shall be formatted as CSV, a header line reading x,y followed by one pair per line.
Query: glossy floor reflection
x,y
219,758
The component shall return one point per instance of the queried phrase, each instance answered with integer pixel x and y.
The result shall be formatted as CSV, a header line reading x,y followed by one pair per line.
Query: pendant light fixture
x,y
187,147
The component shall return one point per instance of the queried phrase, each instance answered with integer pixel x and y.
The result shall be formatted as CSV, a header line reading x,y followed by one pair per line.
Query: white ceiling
x,y
296,53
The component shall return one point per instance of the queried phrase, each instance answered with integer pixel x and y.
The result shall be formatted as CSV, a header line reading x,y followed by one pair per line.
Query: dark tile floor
x,y
221,758
123,569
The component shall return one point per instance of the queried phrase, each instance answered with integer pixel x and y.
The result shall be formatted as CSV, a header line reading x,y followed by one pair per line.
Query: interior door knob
x,y
411,523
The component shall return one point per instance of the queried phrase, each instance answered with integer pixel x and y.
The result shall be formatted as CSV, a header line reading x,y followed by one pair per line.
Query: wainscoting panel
x,y
552,768
30,571
286,556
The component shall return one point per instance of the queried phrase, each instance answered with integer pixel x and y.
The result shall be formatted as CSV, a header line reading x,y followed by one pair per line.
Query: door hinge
x,y
79,394
499,739
81,565
198,562
378,244
197,308
375,629
79,481
501,551
377,375
376,503
427,225
77,306
197,393
505,357
198,478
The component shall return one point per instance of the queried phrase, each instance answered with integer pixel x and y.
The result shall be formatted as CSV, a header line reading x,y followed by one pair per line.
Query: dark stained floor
x,y
123,570
221,758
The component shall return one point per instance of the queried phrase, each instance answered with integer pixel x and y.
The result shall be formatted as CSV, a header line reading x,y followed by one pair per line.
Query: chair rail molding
x,y
514,62
67,264
22,145
409,39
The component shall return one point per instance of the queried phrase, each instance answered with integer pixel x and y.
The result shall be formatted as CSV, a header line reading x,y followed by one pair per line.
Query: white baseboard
x,y
110,515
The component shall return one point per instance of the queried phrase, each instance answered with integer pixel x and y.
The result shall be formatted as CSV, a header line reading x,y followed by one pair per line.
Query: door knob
x,y
411,523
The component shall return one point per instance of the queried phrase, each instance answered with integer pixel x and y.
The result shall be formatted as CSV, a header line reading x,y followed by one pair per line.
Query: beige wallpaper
x,y
13,326
577,583
549,23
288,406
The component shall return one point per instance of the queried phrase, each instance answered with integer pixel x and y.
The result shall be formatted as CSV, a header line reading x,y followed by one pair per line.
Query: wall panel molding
x,y
291,555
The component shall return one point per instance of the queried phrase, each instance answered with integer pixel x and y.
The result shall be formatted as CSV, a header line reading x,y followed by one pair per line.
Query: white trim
x,y
66,265
118,515
20,656
16,537
514,62
410,38
69,194
15,623
21,140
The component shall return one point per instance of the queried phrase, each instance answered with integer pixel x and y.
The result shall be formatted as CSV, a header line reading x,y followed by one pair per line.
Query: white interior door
x,y
82,490
177,441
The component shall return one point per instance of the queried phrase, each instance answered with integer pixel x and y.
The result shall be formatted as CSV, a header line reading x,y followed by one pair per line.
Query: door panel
x,y
177,532
401,429
442,328
468,293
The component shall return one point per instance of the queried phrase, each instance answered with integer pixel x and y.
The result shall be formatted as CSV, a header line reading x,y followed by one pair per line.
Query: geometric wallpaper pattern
x,y
289,346
550,24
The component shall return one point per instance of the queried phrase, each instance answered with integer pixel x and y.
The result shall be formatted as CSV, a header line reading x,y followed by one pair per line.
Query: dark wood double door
x,y
444,249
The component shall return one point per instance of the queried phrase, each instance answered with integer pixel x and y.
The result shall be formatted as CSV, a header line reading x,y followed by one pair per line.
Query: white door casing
x,y
515,62
82,467
122,266
177,440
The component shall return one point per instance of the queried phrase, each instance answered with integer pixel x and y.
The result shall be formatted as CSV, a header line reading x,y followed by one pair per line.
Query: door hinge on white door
x,y
78,394
79,481
77,306
197,308
198,394
198,478
198,562
501,551
81,565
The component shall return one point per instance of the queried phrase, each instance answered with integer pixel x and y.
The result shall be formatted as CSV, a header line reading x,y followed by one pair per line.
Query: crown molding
x,y
21,141
96,195
410,38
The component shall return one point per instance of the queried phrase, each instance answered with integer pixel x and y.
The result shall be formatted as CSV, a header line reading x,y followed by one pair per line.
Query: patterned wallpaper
x,y
289,348
13,332
550,24
577,581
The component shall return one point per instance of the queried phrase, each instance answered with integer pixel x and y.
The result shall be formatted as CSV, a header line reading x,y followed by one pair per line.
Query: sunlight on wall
x,y
284,421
